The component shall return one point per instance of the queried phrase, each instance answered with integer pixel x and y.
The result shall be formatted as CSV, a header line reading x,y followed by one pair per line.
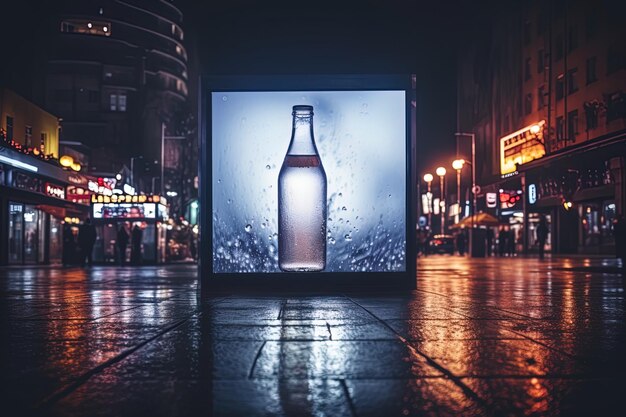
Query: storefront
x,y
580,193
147,212
33,207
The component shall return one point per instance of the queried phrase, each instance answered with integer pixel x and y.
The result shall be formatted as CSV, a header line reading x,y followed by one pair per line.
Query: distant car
x,y
441,244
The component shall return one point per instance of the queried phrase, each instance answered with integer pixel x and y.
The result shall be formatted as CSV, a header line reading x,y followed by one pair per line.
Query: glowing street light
x,y
458,165
441,172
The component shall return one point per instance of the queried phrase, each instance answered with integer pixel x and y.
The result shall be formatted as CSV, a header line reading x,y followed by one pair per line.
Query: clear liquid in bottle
x,y
302,200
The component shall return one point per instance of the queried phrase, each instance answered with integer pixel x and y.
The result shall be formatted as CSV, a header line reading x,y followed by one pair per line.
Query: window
x,y
559,47
541,97
117,102
93,96
528,104
527,74
86,27
591,70
572,38
572,83
527,32
560,87
591,114
572,124
616,106
42,144
121,102
9,128
173,29
28,136
540,61
560,128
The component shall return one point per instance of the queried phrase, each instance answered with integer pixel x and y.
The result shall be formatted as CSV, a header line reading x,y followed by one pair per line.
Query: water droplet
x,y
389,195
268,167
219,181
344,208
248,228
229,201
330,219
340,194
332,240
224,98
263,226
348,237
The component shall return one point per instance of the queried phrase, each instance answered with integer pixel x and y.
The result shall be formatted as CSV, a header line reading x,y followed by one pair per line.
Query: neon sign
x,y
521,147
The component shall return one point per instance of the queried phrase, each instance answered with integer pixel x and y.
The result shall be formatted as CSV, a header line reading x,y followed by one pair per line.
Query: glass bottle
x,y
302,200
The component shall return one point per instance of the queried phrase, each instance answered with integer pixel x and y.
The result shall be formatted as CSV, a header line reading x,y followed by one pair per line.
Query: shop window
x,y
541,63
591,70
572,82
117,102
16,228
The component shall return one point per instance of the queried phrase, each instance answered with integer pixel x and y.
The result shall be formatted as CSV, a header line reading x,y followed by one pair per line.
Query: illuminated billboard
x,y
521,147
306,181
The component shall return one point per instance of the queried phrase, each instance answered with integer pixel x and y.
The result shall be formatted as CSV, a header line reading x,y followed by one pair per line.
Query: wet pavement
x,y
507,336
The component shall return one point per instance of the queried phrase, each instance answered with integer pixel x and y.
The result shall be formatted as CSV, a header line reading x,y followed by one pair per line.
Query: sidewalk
x,y
477,338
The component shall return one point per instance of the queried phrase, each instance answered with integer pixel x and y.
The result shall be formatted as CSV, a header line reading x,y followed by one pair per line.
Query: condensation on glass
x,y
302,202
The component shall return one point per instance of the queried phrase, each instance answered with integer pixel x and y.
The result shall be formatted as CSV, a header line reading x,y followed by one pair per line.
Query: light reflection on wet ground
x,y
478,337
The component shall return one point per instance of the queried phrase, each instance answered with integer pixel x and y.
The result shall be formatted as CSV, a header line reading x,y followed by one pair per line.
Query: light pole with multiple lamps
x,y
429,195
441,172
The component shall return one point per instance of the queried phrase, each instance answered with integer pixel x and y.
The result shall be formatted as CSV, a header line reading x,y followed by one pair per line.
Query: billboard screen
x,y
308,181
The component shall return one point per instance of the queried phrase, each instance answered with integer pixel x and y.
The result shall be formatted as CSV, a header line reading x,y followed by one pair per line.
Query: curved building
x,y
116,72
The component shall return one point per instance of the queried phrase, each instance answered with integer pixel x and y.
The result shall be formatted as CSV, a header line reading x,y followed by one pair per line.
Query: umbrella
x,y
479,219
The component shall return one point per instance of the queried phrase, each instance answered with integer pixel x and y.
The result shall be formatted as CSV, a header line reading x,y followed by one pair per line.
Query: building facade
x,y
542,84
116,73
34,204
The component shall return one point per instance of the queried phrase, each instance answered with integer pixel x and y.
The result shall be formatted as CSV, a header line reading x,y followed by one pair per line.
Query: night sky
x,y
299,37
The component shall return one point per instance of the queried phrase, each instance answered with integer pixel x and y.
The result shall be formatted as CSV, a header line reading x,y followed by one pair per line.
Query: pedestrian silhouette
x,y
135,249
86,239
542,235
121,243
69,246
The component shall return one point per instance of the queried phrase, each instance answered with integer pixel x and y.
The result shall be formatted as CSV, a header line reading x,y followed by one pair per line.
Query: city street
x,y
507,336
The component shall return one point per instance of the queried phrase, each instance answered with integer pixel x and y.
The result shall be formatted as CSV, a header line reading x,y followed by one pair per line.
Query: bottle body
x,y
302,208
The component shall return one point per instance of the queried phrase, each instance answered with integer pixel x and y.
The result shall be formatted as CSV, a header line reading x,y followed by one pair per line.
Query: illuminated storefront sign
x,y
491,199
124,211
54,190
521,147
122,198
532,194
508,199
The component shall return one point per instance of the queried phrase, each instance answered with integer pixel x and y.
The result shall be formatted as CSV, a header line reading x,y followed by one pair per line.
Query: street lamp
x,y
429,179
441,172
458,165
474,190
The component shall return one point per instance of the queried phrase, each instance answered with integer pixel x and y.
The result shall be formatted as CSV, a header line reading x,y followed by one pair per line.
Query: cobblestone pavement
x,y
509,336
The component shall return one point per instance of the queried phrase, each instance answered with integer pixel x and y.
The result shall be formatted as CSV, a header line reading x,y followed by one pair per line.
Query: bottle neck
x,y
302,139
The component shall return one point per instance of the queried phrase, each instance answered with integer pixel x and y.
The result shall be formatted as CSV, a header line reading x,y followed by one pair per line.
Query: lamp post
x,y
429,179
441,172
473,213
458,165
